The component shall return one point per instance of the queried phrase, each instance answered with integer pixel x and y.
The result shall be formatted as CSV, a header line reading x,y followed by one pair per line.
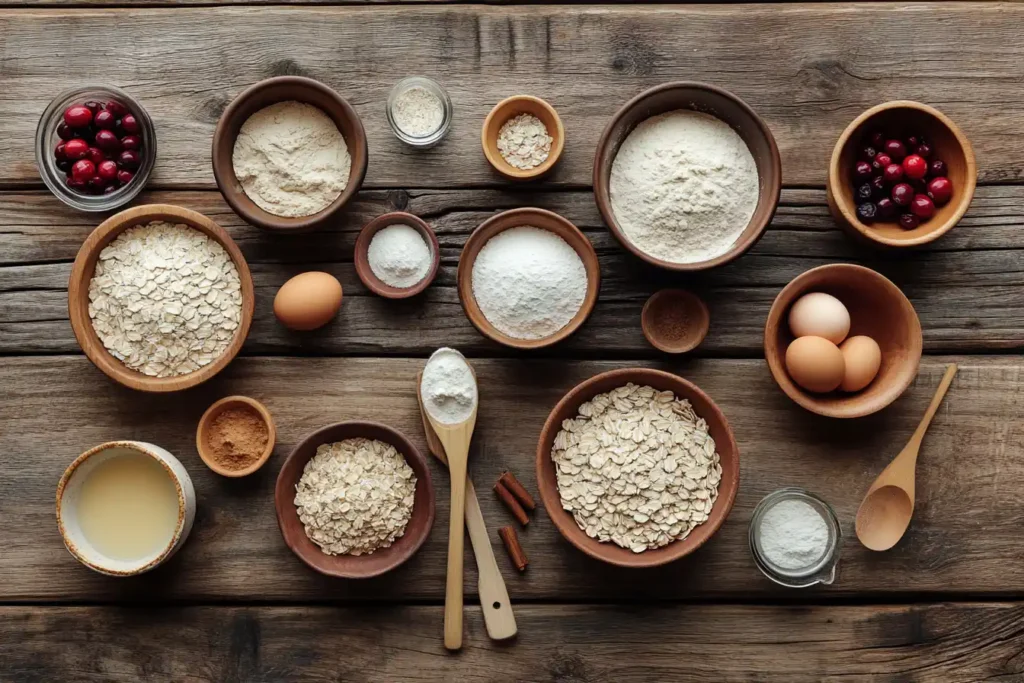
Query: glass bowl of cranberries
x,y
901,175
95,147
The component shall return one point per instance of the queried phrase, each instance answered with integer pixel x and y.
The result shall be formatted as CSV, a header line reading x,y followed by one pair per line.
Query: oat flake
x,y
637,467
524,142
165,299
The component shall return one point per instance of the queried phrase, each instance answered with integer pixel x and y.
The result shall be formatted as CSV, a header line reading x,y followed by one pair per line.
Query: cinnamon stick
x,y
511,503
515,551
518,490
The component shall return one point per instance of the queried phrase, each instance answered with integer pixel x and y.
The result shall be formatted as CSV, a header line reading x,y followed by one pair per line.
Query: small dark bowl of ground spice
x,y
675,321
235,436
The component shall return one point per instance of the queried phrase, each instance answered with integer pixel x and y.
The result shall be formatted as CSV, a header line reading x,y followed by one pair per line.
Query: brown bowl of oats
x,y
355,500
620,435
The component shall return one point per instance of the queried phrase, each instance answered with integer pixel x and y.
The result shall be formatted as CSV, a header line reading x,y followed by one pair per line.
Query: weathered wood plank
x,y
967,287
963,540
557,644
807,68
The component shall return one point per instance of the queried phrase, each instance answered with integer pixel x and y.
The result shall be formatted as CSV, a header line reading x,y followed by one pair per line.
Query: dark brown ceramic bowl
x,y
718,426
365,273
354,566
948,143
545,220
878,309
709,100
264,94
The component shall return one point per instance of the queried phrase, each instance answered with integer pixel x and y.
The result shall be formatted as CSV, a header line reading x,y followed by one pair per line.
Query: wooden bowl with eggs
x,y
875,308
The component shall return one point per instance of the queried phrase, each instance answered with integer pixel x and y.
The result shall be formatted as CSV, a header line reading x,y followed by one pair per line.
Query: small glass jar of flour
x,y
795,538
419,111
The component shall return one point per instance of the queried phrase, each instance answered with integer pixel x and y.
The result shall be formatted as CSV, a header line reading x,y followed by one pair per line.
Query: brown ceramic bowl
x,y
85,265
675,321
264,94
212,413
709,100
947,142
365,273
538,218
505,110
354,566
704,407
878,309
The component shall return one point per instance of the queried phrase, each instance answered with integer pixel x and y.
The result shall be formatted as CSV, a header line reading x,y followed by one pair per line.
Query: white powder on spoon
x,y
399,256
448,387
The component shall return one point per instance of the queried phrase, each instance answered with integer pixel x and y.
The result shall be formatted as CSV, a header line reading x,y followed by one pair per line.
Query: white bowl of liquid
x,y
125,507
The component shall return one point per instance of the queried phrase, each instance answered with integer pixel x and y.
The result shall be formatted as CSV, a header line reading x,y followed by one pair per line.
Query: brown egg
x,y
308,301
815,363
862,358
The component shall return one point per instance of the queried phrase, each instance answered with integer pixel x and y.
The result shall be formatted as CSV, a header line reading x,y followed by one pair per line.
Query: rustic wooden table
x,y
236,605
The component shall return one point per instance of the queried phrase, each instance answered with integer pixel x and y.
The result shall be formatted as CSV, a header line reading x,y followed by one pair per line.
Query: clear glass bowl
x,y
47,139
821,571
433,138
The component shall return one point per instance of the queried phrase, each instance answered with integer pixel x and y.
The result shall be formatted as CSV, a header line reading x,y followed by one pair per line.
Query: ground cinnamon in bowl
x,y
235,436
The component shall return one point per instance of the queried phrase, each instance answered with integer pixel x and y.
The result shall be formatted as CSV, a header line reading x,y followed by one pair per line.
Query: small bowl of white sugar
x,y
795,538
397,255
419,111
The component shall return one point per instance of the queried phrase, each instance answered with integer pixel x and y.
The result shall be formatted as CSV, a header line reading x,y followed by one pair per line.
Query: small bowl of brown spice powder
x,y
675,321
235,436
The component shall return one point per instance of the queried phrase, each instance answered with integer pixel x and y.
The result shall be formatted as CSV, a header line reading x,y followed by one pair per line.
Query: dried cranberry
x,y
64,131
886,208
903,194
131,142
125,177
881,188
922,206
895,149
77,116
83,170
129,159
909,221
116,108
868,153
864,193
866,212
940,190
106,139
75,149
937,168
104,120
915,167
107,170
893,174
129,124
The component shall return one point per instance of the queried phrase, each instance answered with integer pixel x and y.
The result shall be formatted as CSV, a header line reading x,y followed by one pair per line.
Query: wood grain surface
x,y
808,69
966,287
962,541
557,644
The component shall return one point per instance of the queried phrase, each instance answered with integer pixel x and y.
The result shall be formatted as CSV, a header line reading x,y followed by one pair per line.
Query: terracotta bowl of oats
x,y
564,483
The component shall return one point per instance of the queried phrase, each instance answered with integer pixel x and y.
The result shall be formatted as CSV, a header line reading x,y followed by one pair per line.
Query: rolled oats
x,y
355,496
165,299
637,467
523,142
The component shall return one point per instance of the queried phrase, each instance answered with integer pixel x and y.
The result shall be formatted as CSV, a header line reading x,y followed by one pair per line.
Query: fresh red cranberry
x,y
76,184
886,208
129,124
125,177
104,120
106,139
881,161
868,153
135,142
913,141
903,194
940,190
96,184
110,188
895,149
862,171
923,207
893,174
915,167
64,131
116,108
880,187
58,152
83,169
107,170
93,106
64,165
129,159
909,221
876,139
75,149
923,150
78,116
937,168
95,155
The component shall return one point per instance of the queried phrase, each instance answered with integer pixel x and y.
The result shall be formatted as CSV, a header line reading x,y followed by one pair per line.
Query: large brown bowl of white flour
x,y
687,176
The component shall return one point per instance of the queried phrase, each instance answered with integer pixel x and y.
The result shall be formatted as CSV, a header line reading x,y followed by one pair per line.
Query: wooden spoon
x,y
885,512
455,439
494,601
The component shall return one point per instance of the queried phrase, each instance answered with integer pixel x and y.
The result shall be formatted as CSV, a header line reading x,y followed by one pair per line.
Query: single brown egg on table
x,y
862,358
308,301
816,364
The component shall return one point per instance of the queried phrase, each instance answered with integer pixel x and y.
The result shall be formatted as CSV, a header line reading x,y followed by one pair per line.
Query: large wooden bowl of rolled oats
x,y
637,467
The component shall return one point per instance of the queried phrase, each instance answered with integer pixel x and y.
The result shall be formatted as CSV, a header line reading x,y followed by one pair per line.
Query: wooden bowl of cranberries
x,y
95,147
901,175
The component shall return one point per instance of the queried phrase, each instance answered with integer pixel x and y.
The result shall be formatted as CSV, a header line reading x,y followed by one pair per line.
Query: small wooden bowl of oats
x,y
703,408
521,112
351,566
124,348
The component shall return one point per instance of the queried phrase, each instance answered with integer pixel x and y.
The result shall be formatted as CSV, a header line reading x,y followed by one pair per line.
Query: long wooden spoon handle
x,y
456,532
940,393
494,602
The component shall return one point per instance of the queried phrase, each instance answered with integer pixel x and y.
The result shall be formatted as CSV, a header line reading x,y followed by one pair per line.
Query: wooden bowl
x,y
212,413
675,321
877,309
365,273
709,100
354,566
505,110
538,218
85,265
264,94
702,404
948,143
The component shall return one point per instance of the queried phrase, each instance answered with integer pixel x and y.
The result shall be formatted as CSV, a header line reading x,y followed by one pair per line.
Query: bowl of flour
x,y
397,255
687,176
528,278
289,153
